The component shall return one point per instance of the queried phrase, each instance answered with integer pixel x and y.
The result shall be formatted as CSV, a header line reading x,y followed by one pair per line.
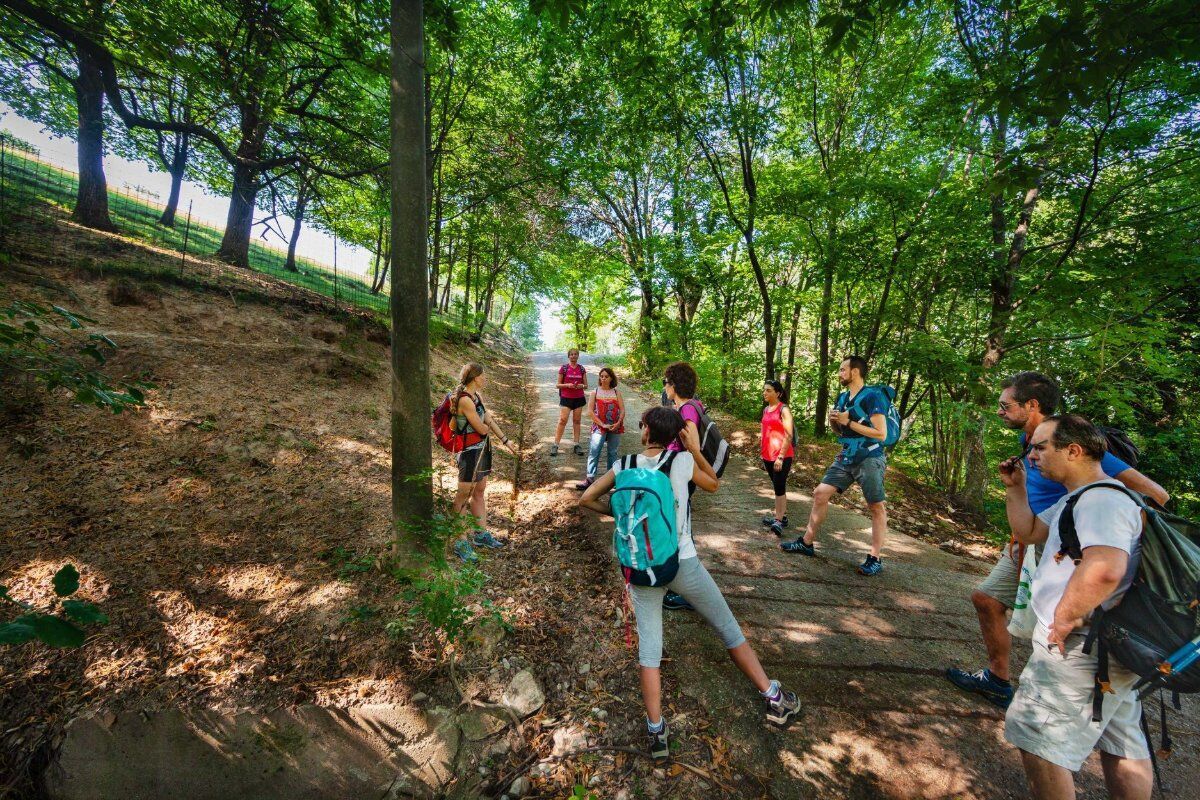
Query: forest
x,y
953,190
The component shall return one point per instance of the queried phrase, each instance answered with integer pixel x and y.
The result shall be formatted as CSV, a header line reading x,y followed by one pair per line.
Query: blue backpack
x,y
645,537
857,445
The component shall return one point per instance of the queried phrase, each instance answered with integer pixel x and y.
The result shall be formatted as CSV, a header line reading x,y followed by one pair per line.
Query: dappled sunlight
x,y
202,642
267,584
31,582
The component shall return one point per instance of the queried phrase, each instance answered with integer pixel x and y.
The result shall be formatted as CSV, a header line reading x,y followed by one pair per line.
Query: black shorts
x,y
475,465
778,479
572,402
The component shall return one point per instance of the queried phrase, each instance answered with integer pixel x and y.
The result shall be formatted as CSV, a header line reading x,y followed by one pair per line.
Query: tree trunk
x,y
823,348
791,357
452,251
298,221
412,487
177,169
235,244
435,268
91,198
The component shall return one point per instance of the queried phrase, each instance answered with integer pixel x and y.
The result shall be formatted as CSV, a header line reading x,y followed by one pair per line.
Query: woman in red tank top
x,y
777,451
608,423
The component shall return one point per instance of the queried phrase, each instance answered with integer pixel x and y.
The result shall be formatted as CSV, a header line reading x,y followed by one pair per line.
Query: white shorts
x,y
1051,714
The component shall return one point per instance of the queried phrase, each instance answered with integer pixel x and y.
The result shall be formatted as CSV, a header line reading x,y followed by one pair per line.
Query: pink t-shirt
x,y
571,373
690,414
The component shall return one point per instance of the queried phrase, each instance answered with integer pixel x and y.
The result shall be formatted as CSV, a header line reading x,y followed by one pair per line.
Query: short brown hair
x,y
1072,429
612,376
683,377
664,424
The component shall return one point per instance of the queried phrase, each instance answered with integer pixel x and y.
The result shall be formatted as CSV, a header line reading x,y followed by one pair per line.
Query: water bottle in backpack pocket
x,y
645,537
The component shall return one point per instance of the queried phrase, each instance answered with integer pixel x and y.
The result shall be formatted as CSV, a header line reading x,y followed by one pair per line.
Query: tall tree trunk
x,y
823,347
435,266
235,244
451,261
177,169
91,198
412,488
466,305
375,286
791,356
297,223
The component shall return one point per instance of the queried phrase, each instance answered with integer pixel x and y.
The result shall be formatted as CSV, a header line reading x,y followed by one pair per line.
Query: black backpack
x,y
712,443
1120,445
1154,628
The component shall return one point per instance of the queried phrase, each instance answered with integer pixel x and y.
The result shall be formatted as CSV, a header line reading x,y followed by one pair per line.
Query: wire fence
x,y
30,183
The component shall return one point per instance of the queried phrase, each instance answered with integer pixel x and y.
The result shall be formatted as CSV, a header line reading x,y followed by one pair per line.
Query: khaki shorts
x,y
1001,582
1051,714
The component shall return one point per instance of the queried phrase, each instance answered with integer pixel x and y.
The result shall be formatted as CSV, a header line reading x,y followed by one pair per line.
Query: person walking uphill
x,y
778,452
1051,718
660,427
608,423
1026,400
572,397
475,459
859,418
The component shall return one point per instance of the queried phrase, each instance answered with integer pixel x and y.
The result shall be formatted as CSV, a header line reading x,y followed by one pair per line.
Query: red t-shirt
x,y
775,439
571,373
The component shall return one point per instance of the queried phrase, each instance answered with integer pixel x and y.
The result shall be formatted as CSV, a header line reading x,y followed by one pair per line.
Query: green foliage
x,y
48,345
443,600
58,625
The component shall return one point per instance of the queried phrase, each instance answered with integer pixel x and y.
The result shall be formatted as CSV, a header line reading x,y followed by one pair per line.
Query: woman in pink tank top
x,y
608,423
572,397
777,450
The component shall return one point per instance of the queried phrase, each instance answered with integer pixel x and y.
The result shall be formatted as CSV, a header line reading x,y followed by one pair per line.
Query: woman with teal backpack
x,y
681,572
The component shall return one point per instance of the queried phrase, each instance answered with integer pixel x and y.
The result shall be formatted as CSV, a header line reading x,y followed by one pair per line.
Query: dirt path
x,y
866,654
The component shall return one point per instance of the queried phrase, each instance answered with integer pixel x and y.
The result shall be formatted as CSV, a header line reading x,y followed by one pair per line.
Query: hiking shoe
x,y
463,549
797,545
485,539
770,520
577,449
660,748
554,449
781,711
583,485
872,566
982,682
777,528
676,602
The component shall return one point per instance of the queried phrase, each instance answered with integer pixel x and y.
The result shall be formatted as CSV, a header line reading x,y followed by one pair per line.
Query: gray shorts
x,y
1051,713
868,474
1001,582
698,588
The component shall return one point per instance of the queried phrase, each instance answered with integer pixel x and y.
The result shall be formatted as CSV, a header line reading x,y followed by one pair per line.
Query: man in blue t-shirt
x,y
859,419
1025,402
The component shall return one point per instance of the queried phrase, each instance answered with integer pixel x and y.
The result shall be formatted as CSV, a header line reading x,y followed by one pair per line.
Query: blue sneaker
x,y
797,545
485,539
982,682
463,549
872,566
676,602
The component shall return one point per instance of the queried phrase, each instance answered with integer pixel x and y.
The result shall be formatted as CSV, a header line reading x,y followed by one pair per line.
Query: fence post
x,y
187,229
3,196
335,275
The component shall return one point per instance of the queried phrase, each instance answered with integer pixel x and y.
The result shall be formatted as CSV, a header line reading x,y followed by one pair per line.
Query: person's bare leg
x,y
878,526
1047,781
747,661
816,517
479,502
562,423
1127,778
651,678
462,496
578,417
993,624
781,506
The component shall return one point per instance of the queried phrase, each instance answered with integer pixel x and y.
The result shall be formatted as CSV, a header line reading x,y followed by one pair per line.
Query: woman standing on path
x,y
777,450
474,460
660,427
680,383
572,397
608,423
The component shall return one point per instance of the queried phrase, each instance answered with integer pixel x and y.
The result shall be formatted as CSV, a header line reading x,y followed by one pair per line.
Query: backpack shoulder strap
x,y
1068,536
664,465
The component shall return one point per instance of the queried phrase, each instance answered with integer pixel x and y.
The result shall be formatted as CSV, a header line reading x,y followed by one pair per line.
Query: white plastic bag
x,y
1023,619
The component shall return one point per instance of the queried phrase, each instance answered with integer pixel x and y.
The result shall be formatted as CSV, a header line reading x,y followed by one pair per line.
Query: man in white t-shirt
x,y
1050,718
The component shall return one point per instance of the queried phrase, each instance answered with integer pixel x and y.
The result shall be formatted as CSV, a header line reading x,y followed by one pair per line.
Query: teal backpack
x,y
858,446
643,507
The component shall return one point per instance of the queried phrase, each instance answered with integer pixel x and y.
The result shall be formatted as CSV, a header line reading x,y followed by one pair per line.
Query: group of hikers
x,y
1060,711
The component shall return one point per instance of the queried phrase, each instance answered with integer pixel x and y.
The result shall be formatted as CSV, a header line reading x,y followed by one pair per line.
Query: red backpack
x,y
442,421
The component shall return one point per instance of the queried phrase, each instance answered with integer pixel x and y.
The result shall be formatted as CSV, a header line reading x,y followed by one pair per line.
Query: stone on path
x,y
523,695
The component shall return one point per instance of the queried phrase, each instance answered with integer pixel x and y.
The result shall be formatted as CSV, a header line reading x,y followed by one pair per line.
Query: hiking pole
x,y
1177,662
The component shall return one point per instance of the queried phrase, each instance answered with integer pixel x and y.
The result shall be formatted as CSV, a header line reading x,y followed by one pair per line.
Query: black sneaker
x,y
797,545
676,602
982,682
777,528
578,450
770,520
660,748
872,566
784,709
